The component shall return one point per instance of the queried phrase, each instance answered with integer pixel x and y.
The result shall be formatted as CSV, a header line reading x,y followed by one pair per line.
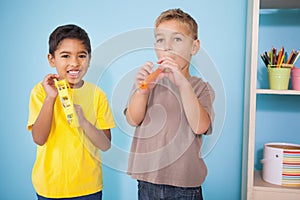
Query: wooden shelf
x,y
253,186
263,190
279,92
279,4
260,184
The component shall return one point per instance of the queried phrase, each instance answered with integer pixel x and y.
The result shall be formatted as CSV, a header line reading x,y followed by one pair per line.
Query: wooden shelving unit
x,y
253,186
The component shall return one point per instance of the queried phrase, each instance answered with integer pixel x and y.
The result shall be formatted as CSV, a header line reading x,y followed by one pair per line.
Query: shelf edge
x,y
279,4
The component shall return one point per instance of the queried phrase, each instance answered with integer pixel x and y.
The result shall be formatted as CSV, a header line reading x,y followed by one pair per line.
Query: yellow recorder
x,y
64,93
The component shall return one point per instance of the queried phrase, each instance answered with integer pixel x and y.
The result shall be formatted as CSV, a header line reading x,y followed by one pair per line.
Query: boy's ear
x,y
51,60
196,46
90,59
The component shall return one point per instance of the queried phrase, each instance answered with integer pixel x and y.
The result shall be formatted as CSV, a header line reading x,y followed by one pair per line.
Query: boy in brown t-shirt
x,y
170,115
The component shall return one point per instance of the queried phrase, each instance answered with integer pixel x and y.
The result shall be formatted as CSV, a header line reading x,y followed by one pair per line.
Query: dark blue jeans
x,y
95,196
150,191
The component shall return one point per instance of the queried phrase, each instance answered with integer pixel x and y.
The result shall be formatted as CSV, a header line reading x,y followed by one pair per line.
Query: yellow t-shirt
x,y
68,164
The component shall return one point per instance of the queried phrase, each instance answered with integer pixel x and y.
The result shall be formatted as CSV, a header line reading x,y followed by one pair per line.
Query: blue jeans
x,y
95,196
150,191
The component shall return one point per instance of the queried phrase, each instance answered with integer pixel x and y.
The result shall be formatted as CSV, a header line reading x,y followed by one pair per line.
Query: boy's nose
x,y
74,62
168,46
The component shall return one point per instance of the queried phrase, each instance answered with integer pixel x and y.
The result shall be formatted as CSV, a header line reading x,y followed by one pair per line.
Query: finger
x,y
145,70
168,66
150,78
148,66
77,109
49,79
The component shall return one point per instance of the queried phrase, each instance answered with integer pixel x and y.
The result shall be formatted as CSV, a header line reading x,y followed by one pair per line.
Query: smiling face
x,y
174,40
71,60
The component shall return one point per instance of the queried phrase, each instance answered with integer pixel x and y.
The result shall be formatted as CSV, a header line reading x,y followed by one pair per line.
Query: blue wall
x,y
25,27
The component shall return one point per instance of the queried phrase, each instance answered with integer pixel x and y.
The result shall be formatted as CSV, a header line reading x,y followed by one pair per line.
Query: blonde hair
x,y
181,17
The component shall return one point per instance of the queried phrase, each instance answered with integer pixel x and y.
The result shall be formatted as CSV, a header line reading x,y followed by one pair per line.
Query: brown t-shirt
x,y
164,149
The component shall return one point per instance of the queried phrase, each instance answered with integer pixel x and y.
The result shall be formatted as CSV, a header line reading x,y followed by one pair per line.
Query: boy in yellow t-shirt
x,y
68,163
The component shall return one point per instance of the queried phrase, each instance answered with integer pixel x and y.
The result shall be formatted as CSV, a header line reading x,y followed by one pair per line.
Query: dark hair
x,y
69,31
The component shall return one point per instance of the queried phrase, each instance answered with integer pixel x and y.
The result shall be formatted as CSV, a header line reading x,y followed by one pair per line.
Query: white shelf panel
x,y
279,92
279,4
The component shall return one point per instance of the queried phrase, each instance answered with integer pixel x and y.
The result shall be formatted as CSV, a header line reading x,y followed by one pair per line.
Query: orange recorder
x,y
151,77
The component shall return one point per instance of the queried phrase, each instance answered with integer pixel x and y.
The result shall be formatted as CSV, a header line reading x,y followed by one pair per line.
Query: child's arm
x,y
194,111
100,138
196,115
136,109
42,126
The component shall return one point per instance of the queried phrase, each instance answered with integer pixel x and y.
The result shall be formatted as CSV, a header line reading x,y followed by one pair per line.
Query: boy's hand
x,y
49,85
172,70
80,115
143,72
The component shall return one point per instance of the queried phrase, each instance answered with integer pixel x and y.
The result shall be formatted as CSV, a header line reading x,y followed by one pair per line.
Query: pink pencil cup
x,y
295,78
